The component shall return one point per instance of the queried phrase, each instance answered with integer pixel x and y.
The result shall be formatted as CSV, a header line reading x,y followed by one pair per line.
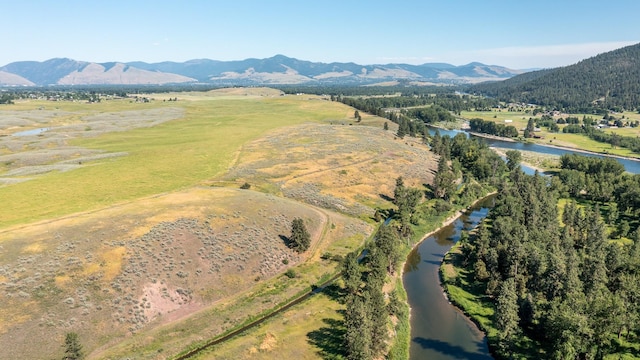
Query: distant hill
x,y
9,79
610,80
278,69
71,72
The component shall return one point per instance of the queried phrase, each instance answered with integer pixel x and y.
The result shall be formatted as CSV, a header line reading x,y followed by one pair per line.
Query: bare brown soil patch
x,y
268,343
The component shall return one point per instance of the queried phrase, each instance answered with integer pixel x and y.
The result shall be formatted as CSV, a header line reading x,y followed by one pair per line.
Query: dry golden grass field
x,y
146,245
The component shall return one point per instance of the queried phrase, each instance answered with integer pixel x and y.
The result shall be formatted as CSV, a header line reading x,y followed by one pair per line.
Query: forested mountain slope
x,y
610,80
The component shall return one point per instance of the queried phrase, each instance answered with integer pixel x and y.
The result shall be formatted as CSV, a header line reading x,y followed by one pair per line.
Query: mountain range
x,y
278,69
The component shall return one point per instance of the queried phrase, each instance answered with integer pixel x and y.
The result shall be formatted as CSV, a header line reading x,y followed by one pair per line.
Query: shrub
x,y
442,206
337,258
290,273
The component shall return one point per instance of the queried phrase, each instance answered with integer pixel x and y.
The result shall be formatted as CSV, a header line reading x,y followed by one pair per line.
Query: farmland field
x,y
519,120
198,144
124,221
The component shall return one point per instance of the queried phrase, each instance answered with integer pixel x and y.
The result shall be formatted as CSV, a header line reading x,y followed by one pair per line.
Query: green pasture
x,y
520,119
584,143
164,158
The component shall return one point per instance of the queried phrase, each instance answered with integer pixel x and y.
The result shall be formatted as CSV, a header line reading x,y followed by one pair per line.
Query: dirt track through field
x,y
120,274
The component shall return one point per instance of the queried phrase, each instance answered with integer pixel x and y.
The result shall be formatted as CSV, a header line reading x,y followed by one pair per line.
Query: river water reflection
x,y
438,329
632,166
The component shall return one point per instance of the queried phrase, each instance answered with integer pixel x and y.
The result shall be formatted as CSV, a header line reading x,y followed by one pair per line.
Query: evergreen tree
x,y
395,306
300,238
506,315
388,243
403,128
398,191
513,159
377,311
357,330
72,347
528,131
351,273
407,200
443,182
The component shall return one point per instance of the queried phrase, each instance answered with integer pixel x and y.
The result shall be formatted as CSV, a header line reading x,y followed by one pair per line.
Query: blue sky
x,y
516,33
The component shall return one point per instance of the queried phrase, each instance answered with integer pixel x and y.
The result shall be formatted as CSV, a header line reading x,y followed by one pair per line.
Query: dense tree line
x,y
562,284
368,312
492,128
607,81
600,180
430,114
471,155
357,90
368,309
465,166
6,99
406,126
95,93
454,103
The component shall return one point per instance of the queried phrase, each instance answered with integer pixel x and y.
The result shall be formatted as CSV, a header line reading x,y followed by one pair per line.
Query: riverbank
x,y
492,137
531,159
569,148
477,310
470,298
402,338
455,216
424,269
559,147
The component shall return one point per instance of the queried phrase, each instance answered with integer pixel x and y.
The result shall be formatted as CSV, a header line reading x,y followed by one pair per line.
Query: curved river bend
x,y
438,329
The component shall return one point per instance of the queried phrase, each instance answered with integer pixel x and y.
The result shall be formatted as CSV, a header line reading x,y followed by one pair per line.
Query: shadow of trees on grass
x,y
329,339
335,293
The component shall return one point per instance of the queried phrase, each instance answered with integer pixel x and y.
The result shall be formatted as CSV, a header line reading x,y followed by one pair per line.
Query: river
x,y
438,329
632,166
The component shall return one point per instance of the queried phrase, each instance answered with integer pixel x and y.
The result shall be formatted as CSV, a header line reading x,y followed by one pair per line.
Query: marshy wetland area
x,y
127,222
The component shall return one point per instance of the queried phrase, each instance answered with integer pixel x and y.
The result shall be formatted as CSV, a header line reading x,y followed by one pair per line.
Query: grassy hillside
x,y
156,249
